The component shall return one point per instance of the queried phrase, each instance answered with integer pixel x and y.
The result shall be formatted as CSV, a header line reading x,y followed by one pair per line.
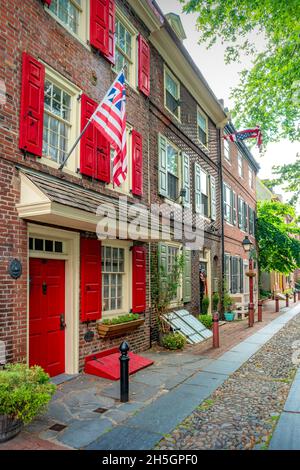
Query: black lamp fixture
x,y
247,245
182,194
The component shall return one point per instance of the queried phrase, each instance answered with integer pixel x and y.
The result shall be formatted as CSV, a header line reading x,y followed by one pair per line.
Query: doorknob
x,y
62,322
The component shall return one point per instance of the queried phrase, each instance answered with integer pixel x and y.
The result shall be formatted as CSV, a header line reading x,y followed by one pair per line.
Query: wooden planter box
x,y
110,331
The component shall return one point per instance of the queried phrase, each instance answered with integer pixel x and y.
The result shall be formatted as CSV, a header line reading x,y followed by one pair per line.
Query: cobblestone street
x,y
243,412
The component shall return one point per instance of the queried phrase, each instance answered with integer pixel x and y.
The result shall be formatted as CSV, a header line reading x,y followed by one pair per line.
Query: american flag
x,y
254,133
110,119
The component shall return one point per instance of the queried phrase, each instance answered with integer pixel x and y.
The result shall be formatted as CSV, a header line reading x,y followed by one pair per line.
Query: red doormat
x,y
106,364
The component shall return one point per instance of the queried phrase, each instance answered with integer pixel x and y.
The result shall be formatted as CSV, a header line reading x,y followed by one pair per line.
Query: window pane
x,y
48,245
204,183
172,156
172,86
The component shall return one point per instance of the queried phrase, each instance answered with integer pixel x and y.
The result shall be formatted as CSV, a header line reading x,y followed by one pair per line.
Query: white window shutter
x,y
162,166
197,188
186,179
213,202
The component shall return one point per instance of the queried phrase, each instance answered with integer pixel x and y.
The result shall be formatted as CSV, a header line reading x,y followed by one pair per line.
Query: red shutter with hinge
x,y
144,66
32,105
94,148
137,163
111,31
48,2
138,279
90,269
99,25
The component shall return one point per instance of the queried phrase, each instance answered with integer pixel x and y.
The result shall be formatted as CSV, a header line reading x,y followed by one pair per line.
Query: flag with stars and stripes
x,y
110,119
239,136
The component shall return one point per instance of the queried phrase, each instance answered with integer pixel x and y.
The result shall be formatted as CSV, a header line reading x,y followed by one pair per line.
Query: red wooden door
x,y
46,315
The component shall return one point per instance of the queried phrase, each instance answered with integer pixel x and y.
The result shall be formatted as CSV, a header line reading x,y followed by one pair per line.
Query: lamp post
x,y
247,245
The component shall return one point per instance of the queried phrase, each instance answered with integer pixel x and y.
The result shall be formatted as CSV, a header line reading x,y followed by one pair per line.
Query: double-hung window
x,y
202,128
227,150
113,274
227,204
227,272
173,255
251,178
57,122
125,50
72,14
204,193
173,171
172,94
240,166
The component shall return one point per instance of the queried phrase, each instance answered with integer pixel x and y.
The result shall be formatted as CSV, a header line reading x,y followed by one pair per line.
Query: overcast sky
x,y
222,78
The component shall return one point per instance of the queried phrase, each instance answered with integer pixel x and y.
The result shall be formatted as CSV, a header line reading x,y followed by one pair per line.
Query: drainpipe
x,y
222,219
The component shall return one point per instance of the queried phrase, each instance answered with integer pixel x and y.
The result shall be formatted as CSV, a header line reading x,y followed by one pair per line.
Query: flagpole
x,y
84,130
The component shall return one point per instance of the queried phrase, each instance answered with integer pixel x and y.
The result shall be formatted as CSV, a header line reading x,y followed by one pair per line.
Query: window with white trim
x,y
172,93
228,210
61,120
202,128
113,273
226,150
125,49
72,15
172,257
173,171
227,272
251,178
204,193
240,166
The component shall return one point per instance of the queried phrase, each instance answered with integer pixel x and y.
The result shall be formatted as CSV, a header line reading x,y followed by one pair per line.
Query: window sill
x,y
50,163
178,119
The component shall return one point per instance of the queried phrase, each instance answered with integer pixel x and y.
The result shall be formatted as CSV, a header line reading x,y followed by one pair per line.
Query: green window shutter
x,y
186,179
250,220
213,202
245,217
197,188
232,195
241,275
234,208
163,257
162,166
240,212
187,275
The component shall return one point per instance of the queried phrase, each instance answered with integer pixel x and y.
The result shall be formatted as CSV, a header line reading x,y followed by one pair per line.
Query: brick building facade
x,y
239,199
70,280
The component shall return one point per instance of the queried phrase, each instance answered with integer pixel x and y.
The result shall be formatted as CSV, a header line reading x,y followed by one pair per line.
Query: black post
x,y
124,372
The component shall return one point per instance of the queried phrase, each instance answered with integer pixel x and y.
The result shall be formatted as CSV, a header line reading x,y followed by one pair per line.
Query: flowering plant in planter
x,y
24,393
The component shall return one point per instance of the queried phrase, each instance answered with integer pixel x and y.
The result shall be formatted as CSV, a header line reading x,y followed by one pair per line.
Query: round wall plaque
x,y
15,268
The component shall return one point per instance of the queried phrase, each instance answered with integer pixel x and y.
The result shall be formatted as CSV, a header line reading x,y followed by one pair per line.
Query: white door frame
x,y
71,256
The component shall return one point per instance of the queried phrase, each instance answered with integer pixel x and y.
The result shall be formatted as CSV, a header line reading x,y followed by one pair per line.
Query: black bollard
x,y
124,372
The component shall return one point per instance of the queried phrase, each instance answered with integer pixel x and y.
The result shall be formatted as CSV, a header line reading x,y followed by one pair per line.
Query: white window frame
x,y
84,23
240,165
227,153
203,172
73,162
251,177
127,276
178,301
228,204
199,112
167,71
132,79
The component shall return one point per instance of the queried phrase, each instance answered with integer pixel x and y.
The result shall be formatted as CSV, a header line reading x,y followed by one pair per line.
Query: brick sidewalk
x,y
27,441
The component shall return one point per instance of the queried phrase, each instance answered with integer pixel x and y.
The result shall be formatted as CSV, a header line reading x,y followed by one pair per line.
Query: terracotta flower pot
x,y
9,427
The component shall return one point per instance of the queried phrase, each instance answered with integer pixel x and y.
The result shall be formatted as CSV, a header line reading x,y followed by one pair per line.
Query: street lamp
x,y
247,245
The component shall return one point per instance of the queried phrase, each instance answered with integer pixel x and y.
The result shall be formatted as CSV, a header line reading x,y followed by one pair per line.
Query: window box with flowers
x,y
114,327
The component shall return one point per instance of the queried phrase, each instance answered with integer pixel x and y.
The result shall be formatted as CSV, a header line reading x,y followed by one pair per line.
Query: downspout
x,y
149,228
222,220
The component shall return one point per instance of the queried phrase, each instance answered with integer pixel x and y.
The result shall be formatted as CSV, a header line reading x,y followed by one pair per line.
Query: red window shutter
x,y
144,66
138,279
32,105
48,2
99,25
94,148
90,269
111,31
137,163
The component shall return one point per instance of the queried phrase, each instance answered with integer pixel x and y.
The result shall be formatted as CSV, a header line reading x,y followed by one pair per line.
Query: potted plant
x,y
114,327
205,305
24,393
228,306
215,301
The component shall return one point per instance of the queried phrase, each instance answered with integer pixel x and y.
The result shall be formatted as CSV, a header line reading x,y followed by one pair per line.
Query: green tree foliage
x,y
269,93
289,179
277,236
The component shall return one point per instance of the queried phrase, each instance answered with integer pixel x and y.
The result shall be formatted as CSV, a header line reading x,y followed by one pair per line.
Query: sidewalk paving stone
x,y
82,433
287,433
125,438
222,367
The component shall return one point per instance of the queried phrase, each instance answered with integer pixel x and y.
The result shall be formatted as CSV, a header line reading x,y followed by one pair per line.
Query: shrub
x,y
215,301
264,294
121,319
205,304
173,341
24,391
206,320
228,302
